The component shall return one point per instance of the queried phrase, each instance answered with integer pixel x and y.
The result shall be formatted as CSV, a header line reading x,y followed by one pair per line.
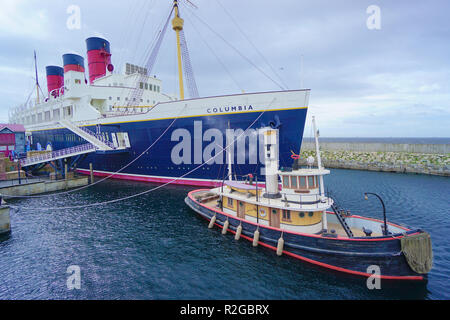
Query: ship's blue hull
x,y
165,161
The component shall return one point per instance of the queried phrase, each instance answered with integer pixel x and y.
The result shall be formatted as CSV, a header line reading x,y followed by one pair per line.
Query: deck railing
x,y
99,137
57,154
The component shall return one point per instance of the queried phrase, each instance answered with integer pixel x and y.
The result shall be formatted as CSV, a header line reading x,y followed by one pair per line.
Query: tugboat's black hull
x,y
352,256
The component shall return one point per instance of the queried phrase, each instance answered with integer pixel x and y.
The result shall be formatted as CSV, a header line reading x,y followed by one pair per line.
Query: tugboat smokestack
x,y
271,162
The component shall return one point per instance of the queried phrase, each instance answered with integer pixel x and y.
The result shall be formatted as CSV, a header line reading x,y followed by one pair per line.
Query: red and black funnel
x,y
99,58
55,79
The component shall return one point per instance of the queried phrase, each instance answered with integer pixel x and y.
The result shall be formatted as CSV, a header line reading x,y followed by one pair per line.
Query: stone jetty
x,y
376,158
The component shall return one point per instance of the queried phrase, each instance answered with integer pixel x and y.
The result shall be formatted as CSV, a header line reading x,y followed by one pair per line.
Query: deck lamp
x,y
366,197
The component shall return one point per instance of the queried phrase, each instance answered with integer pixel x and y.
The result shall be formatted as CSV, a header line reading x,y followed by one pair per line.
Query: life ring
x,y
295,156
262,213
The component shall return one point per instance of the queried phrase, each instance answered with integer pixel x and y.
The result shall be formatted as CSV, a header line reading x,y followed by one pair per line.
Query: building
x,y
12,138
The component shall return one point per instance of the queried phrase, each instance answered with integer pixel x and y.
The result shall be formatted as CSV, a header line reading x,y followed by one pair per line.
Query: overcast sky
x,y
387,82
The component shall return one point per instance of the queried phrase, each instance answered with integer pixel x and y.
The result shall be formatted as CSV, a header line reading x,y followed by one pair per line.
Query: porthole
x,y
301,214
262,213
311,214
274,211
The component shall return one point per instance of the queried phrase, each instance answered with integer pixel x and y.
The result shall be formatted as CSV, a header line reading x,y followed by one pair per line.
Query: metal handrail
x,y
58,153
98,136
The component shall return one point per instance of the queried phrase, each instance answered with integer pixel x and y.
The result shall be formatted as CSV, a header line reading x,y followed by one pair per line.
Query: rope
x,y
237,51
147,191
107,177
254,47
216,56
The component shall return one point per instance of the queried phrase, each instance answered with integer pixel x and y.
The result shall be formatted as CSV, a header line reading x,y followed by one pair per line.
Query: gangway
x,y
58,154
97,140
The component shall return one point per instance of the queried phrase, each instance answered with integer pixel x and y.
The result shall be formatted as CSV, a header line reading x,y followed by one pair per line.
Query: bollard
x,y
92,172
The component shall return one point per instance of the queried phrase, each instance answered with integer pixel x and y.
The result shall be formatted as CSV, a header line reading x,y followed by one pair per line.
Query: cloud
x,y
363,82
21,18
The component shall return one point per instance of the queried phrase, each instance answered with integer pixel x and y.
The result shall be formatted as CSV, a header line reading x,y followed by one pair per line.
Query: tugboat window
x,y
311,214
311,182
301,214
294,182
302,182
286,181
230,202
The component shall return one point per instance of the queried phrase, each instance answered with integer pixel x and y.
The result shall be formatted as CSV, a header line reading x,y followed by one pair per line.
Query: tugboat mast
x,y
177,26
319,166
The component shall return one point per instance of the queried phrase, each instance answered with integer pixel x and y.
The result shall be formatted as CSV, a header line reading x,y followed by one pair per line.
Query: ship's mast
x,y
37,79
177,25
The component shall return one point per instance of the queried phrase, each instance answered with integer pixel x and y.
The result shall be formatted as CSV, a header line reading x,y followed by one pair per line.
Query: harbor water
x,y
155,247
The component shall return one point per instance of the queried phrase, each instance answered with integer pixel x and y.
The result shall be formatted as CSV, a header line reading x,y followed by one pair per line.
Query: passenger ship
x,y
154,136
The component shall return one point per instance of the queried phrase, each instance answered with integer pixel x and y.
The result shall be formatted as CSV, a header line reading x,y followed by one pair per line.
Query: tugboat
x,y
298,219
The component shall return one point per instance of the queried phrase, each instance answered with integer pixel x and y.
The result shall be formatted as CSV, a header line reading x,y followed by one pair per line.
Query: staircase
x,y
59,154
98,141
337,210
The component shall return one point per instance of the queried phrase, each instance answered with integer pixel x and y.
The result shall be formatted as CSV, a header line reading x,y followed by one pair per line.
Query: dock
x,y
33,186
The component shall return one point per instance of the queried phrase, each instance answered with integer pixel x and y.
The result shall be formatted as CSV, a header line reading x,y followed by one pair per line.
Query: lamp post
x,y
385,231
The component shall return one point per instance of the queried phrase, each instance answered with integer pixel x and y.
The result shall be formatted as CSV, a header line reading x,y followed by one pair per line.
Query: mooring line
x,y
150,190
107,177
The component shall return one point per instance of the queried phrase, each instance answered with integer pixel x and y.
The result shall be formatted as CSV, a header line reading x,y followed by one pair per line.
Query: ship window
x,y
301,214
286,215
126,98
142,100
110,98
141,85
303,182
150,87
311,214
293,182
311,182
146,86
230,202
118,98
286,181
